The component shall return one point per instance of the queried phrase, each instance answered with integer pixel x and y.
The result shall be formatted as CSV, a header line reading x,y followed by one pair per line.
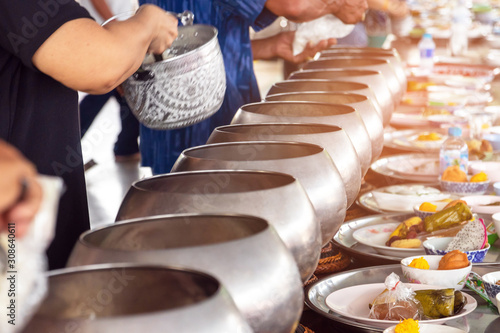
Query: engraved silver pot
x,y
309,163
394,60
186,87
382,65
333,138
366,138
132,298
276,197
356,95
373,79
309,85
243,252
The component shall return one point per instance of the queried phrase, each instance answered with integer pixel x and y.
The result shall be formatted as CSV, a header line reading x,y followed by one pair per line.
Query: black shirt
x,y
39,115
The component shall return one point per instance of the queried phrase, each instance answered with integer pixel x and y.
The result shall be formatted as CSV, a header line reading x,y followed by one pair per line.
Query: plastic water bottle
x,y
426,46
460,24
454,151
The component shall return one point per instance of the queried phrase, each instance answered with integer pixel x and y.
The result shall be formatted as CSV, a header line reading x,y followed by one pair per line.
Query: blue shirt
x,y
232,18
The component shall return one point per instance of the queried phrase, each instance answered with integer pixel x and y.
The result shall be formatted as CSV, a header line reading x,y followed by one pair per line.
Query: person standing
x,y
49,50
126,147
233,19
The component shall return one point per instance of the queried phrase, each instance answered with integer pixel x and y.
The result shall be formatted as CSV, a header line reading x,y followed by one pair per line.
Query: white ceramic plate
x,y
418,166
431,328
407,140
375,236
402,198
352,302
478,202
381,166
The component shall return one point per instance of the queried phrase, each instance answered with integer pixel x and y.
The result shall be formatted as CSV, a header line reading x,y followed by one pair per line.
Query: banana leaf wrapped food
x,y
440,303
447,218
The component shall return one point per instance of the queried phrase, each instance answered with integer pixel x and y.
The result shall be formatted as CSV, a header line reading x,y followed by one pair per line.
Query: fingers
x,y
23,212
167,33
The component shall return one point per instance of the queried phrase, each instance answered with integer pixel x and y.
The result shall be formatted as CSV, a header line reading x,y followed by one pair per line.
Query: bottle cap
x,y
454,131
427,35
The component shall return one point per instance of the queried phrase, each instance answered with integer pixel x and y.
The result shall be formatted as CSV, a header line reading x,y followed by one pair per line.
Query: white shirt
x,y
116,7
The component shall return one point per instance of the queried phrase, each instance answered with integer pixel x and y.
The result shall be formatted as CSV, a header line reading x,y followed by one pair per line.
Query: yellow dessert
x,y
479,177
427,207
432,136
420,263
407,326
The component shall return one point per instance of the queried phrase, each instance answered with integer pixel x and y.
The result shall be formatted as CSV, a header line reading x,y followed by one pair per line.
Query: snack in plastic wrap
x,y
314,31
397,302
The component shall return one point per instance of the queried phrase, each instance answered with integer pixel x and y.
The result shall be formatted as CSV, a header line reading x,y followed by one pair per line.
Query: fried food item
x,y
413,243
454,202
454,174
408,229
453,260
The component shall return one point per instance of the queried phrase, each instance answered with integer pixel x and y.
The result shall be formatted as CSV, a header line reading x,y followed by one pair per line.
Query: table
x,y
483,315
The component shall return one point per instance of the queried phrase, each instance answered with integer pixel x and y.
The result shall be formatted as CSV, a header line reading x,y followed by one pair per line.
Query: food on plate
x,y
433,111
412,243
479,177
478,149
498,282
396,302
448,217
432,136
420,263
407,326
405,234
454,174
453,260
440,303
428,207
473,236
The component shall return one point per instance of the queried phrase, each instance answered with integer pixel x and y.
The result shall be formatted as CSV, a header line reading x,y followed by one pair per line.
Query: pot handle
x,y
186,17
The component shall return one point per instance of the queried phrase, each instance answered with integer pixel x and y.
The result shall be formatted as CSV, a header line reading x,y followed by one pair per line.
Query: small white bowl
x,y
464,188
491,168
496,221
492,289
450,278
423,214
496,187
405,199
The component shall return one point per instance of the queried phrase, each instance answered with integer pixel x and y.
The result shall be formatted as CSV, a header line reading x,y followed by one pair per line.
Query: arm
x,y
15,206
107,55
280,45
349,11
102,8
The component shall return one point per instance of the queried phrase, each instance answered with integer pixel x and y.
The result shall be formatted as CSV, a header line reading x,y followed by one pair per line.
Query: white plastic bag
x,y
24,284
328,26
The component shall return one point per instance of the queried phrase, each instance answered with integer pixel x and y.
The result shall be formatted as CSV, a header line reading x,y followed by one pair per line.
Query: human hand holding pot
x,y
20,193
163,27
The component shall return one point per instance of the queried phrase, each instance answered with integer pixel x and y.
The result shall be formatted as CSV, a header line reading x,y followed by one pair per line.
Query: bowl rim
x,y
485,248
